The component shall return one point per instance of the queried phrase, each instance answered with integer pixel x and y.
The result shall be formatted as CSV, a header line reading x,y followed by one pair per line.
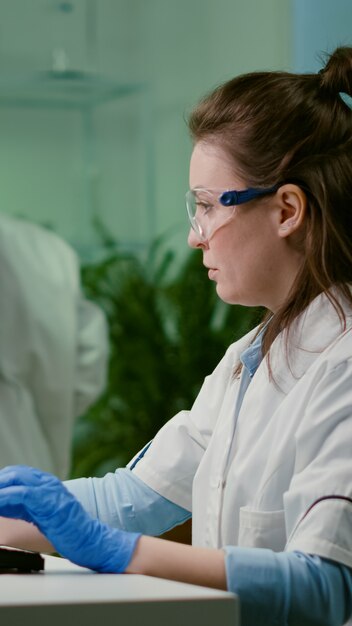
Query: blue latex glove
x,y
35,496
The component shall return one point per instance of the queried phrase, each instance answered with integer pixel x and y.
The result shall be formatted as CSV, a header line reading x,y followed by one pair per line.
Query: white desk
x,y
67,595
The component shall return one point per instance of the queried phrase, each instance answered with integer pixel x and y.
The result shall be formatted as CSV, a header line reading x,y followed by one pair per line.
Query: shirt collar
x,y
252,356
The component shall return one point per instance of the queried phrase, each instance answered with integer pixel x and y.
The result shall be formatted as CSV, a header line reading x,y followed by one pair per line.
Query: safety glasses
x,y
208,209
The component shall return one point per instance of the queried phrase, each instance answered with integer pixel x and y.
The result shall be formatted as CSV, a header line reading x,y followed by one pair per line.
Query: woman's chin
x,y
226,295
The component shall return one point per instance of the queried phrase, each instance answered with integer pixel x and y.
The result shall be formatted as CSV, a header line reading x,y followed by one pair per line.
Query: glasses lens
x,y
205,212
200,205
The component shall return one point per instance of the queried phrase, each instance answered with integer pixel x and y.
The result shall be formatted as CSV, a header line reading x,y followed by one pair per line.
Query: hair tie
x,y
347,99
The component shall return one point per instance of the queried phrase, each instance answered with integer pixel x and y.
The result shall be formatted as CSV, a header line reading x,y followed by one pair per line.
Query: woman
x,y
263,459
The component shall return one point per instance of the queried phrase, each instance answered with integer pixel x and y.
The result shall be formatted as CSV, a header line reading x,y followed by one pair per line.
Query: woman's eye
x,y
203,207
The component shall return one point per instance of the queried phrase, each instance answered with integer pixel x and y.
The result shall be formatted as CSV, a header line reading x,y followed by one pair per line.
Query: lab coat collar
x,y
317,328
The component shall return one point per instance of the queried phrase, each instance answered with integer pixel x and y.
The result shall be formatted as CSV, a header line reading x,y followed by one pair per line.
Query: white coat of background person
x,y
53,347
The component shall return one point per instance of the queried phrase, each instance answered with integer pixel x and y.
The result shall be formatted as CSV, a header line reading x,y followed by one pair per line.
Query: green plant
x,y
168,329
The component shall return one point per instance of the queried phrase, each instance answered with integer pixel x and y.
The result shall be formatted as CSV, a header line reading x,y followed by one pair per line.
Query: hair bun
x,y
336,76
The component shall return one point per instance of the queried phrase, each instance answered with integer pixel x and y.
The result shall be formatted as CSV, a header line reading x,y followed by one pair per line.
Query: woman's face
x,y
250,262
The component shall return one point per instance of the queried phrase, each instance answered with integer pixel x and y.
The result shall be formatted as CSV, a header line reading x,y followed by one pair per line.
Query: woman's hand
x,y
40,498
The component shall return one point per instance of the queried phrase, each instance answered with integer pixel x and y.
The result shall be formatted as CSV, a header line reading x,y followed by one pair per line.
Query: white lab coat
x,y
276,473
53,347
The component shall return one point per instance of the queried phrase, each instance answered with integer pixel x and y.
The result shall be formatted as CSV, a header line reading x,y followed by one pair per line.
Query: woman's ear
x,y
292,205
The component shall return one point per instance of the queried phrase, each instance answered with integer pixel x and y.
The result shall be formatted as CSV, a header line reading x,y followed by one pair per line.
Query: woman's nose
x,y
194,241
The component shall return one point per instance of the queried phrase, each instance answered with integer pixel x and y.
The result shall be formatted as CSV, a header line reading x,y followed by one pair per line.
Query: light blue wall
x,y
318,26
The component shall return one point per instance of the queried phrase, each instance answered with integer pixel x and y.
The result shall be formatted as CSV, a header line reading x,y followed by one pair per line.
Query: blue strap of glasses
x,y
232,198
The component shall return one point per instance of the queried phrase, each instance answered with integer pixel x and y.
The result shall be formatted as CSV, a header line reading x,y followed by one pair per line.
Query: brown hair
x,y
282,127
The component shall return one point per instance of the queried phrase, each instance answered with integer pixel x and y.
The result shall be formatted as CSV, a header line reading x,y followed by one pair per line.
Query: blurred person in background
x,y
53,347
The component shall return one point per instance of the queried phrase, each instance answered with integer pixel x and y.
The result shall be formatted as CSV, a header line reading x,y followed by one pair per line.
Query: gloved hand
x,y
35,496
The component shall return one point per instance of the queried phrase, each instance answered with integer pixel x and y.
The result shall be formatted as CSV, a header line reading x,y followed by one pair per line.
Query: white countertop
x,y
64,591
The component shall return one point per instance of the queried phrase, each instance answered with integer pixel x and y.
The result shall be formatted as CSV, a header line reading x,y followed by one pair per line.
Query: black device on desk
x,y
21,561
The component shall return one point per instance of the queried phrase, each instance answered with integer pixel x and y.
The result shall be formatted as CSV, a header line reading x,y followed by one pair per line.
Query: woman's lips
x,y
212,273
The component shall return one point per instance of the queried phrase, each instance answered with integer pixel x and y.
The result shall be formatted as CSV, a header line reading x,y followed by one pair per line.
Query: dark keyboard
x,y
20,561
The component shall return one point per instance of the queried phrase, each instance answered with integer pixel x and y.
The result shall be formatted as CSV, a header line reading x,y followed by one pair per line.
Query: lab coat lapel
x,y
312,333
